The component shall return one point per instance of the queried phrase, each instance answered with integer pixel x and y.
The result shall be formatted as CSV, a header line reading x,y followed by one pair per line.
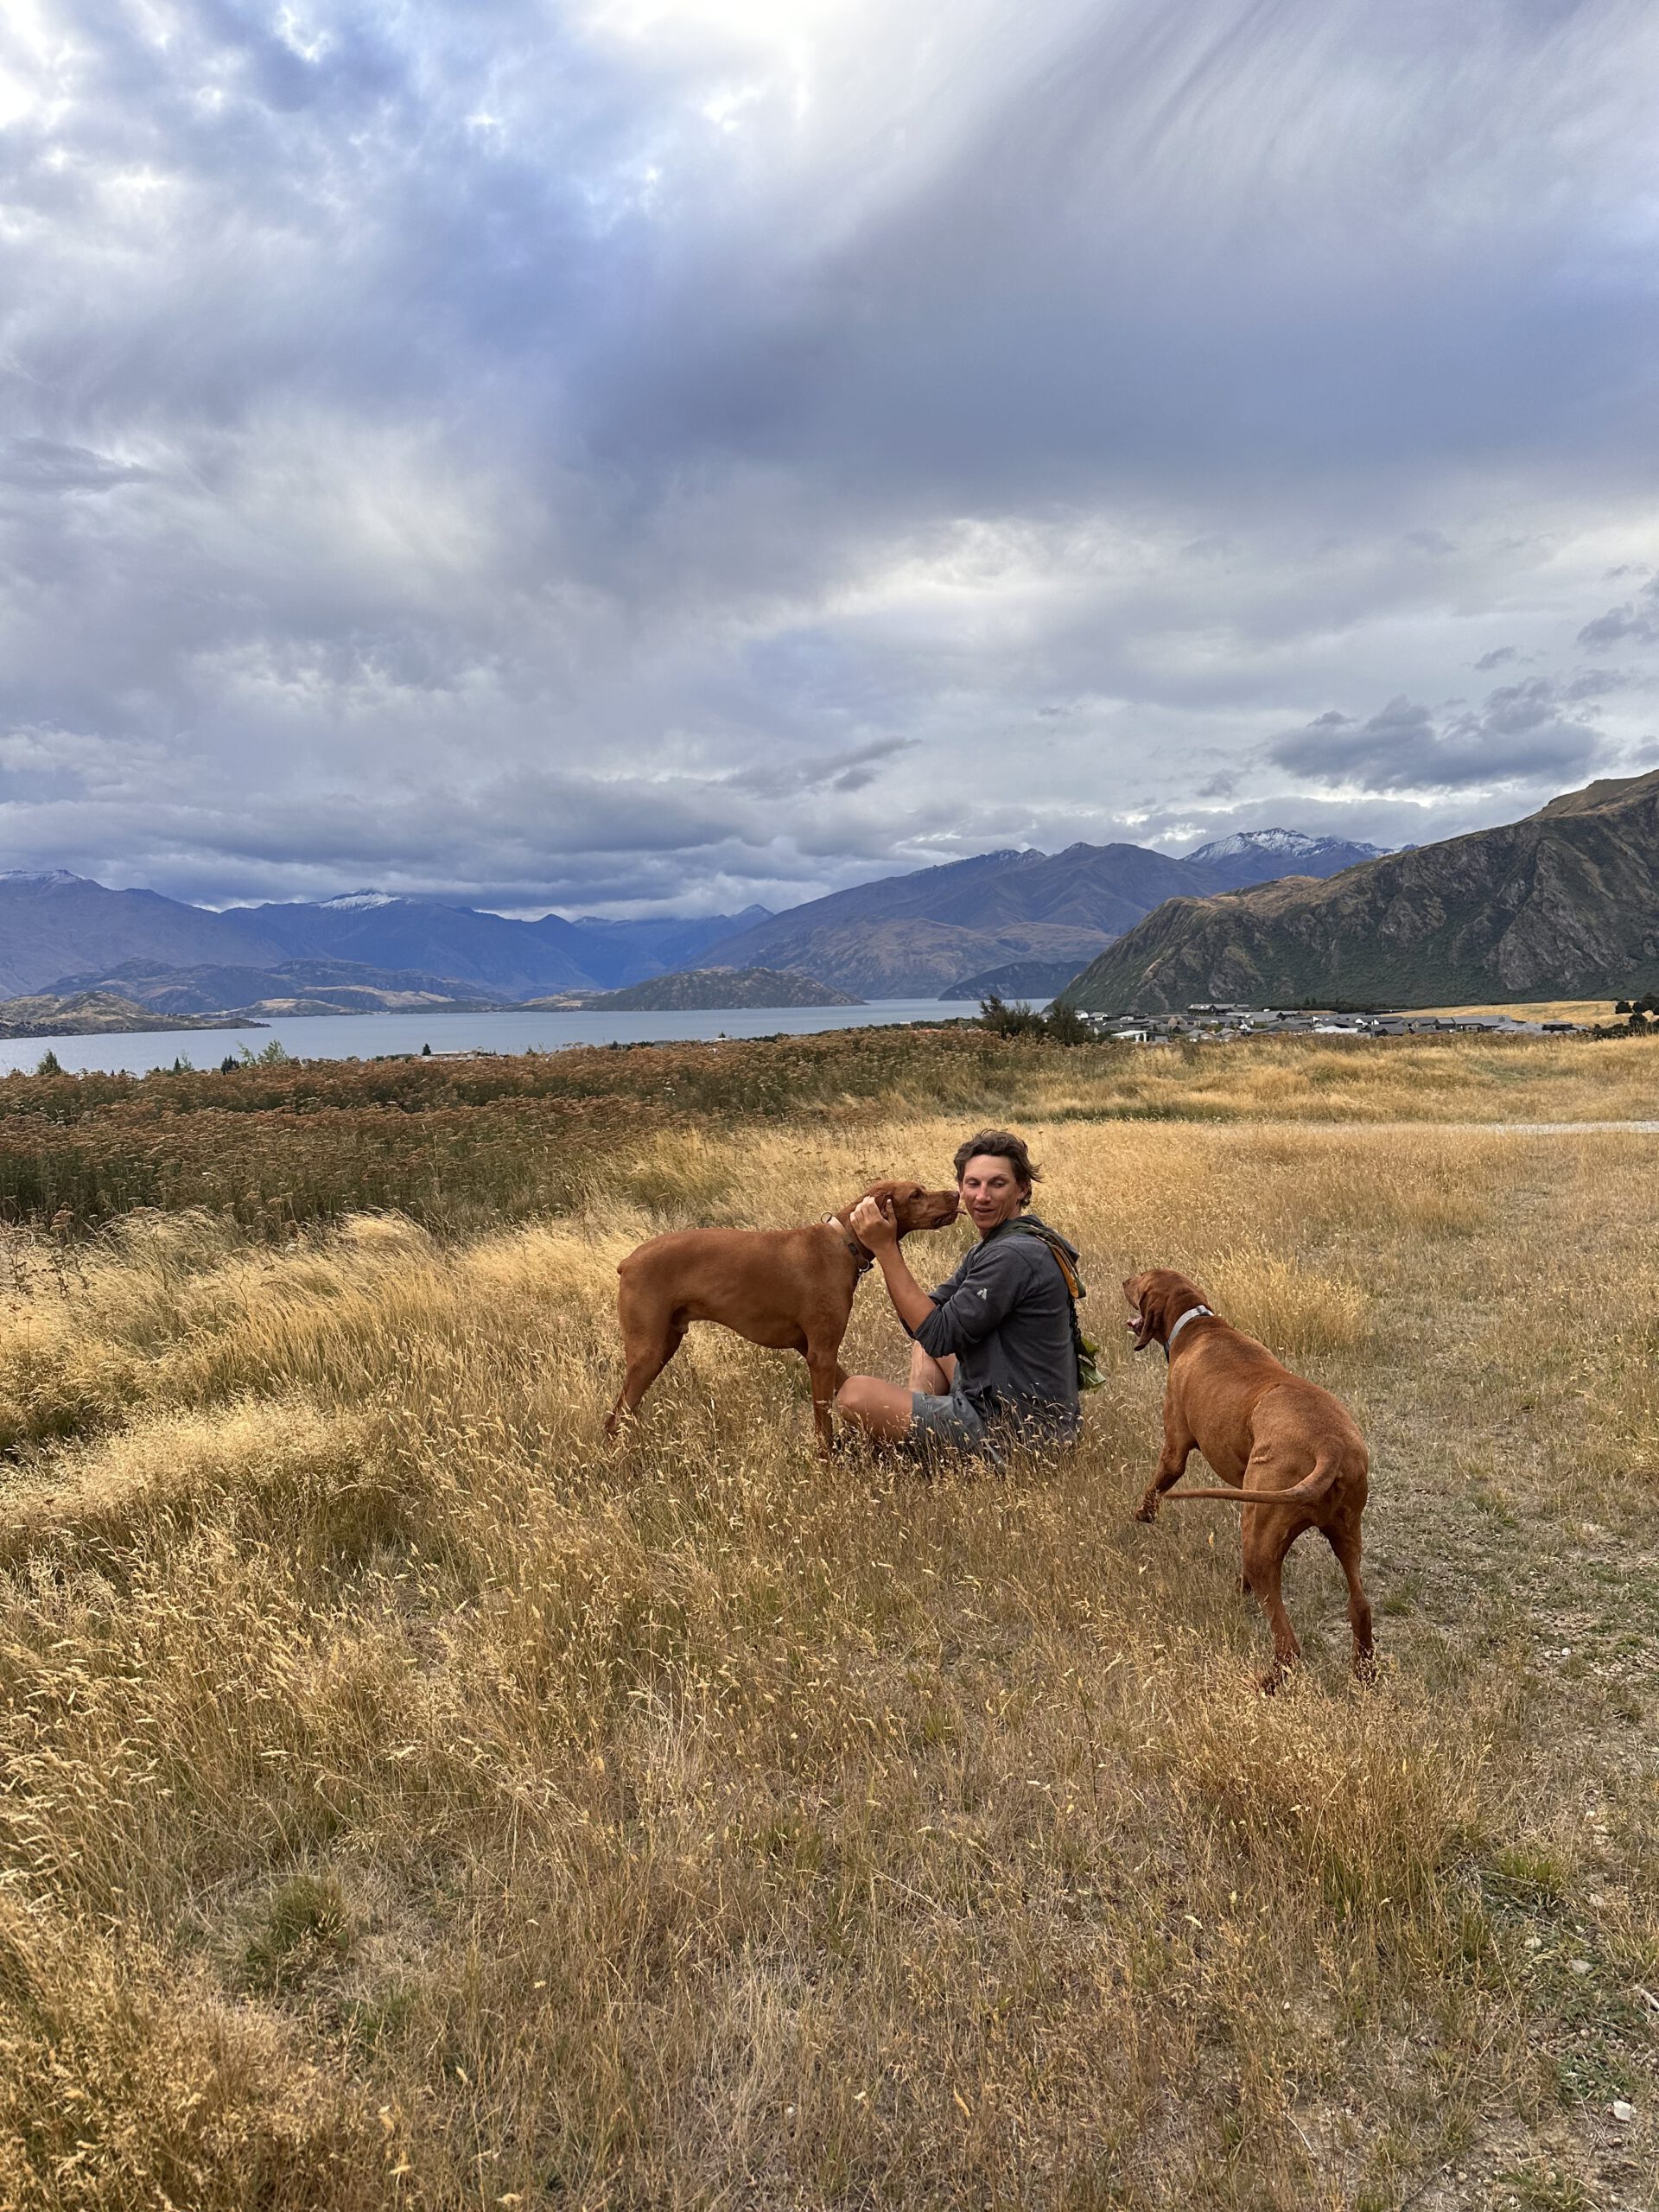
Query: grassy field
x,y
409,1800
462,1145
1581,1010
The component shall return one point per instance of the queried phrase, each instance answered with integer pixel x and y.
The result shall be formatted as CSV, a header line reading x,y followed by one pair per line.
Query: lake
x,y
365,1036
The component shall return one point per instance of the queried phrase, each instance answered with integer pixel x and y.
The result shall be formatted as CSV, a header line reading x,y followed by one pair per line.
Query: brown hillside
x,y
1563,904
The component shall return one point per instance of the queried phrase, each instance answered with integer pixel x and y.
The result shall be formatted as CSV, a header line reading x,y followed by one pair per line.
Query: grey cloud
x,y
1497,657
1601,682
851,771
1634,623
1521,736
42,465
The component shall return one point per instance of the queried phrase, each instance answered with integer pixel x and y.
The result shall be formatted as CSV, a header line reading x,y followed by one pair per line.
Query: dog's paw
x,y
1147,1510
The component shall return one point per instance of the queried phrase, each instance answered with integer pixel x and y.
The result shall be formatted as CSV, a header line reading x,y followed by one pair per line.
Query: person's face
x,y
990,1192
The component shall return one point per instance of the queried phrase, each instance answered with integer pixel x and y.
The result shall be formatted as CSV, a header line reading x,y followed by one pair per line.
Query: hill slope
x,y
55,924
910,935
88,1013
344,986
905,935
493,953
619,953
422,936
1564,903
717,989
1015,979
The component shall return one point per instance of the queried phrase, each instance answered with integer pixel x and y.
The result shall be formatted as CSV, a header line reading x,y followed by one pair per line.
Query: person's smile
x,y
991,1192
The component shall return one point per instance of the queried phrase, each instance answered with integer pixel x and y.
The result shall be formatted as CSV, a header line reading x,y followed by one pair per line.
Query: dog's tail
x,y
1311,1488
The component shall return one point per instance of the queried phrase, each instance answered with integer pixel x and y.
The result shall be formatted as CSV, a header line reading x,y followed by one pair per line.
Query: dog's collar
x,y
1193,1313
863,1258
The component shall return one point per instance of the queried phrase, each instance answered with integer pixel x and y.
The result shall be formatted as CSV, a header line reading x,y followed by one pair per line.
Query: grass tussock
x,y
410,1799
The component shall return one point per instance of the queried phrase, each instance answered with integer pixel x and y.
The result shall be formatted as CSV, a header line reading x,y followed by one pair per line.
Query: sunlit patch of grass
x,y
1295,1311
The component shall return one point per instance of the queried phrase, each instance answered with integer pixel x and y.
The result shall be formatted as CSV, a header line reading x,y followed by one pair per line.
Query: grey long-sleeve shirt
x,y
1005,1318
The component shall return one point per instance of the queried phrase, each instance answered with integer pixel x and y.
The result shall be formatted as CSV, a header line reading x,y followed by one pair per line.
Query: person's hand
x,y
872,1227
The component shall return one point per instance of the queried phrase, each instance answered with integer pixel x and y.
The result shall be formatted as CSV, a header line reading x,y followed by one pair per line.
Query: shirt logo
x,y
982,1293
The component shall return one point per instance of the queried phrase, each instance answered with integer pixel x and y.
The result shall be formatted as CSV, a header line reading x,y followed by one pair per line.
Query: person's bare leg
x,y
929,1375
879,1410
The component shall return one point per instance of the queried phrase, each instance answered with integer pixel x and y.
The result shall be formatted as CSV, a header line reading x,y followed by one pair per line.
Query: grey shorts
x,y
955,1424
947,1424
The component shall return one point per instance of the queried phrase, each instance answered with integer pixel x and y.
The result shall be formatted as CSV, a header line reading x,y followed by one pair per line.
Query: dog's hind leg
x,y
1264,1560
650,1347
1344,1540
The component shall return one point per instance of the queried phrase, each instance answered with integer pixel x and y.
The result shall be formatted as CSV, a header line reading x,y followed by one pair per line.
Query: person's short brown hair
x,y
1000,1144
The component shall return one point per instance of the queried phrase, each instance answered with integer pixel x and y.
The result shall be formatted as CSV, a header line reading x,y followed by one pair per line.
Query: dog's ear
x,y
881,1193
904,1204
1148,1310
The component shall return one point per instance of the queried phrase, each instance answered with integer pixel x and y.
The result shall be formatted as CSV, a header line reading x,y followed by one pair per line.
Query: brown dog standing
x,y
790,1289
1291,1450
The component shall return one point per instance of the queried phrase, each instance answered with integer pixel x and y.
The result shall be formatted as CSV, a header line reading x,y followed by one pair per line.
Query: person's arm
x,y
996,1283
874,1228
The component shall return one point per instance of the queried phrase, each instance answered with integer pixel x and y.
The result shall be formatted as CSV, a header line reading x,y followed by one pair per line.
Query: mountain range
x,y
1564,904
905,936
63,932
917,935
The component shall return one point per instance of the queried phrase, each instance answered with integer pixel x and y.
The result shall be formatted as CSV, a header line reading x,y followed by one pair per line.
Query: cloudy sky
x,y
639,454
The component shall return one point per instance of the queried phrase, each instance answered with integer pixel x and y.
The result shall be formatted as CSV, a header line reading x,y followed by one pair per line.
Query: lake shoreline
x,y
456,1033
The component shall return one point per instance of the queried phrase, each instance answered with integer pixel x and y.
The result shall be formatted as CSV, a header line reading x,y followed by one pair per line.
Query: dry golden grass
x,y
410,1800
465,1146
1540,1010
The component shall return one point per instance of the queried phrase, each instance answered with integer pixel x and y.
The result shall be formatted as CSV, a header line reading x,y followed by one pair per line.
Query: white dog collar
x,y
1193,1313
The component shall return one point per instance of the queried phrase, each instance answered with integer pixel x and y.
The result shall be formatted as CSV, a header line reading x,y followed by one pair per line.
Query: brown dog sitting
x,y
790,1289
1290,1450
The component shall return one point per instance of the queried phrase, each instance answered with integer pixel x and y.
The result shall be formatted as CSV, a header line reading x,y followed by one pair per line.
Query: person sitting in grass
x,y
995,1356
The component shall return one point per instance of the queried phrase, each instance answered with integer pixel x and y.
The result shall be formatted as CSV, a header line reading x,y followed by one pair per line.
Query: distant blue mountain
x,y
379,929
54,926
619,953
908,935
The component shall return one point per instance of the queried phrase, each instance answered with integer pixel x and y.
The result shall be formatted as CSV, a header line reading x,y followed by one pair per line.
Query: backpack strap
x,y
1074,1282
1083,1348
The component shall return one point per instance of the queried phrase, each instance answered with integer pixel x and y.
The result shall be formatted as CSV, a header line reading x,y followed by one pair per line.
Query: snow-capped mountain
x,y
1258,855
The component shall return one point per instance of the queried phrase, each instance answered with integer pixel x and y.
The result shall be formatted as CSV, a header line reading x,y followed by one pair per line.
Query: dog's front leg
x,y
827,1375
1179,1446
